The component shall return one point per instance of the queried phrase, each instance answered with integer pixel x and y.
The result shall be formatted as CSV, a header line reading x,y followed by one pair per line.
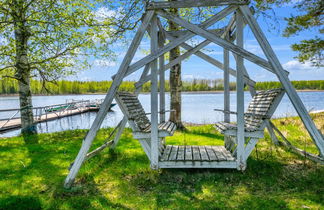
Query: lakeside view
x,y
198,108
161,104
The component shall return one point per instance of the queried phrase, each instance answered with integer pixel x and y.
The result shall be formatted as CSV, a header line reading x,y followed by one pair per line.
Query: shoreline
x,y
184,92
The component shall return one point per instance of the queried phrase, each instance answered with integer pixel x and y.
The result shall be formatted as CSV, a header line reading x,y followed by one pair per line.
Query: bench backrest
x,y
133,109
262,107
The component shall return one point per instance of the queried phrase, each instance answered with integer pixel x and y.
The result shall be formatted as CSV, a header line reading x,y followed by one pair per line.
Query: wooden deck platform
x,y
16,123
175,156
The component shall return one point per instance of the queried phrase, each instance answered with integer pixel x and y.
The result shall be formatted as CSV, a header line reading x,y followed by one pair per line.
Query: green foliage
x,y
310,50
32,175
309,18
10,86
59,35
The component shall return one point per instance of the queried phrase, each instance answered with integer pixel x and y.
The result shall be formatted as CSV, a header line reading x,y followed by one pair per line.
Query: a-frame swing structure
x,y
151,133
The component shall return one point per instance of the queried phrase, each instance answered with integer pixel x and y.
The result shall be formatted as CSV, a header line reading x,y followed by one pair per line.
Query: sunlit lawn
x,y
32,175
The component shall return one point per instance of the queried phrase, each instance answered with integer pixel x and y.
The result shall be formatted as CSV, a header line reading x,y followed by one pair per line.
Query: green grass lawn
x,y
32,175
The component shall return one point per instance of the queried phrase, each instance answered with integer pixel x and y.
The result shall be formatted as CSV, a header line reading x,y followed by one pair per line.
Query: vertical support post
x,y
227,116
240,93
154,97
162,80
226,87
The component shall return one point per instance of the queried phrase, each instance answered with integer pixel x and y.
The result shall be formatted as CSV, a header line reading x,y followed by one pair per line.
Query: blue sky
x,y
194,67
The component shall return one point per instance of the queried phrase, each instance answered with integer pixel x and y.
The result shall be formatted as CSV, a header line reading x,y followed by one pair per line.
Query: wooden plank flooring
x,y
196,153
16,123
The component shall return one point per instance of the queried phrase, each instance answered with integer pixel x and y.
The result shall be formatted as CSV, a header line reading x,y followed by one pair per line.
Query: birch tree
x,y
50,39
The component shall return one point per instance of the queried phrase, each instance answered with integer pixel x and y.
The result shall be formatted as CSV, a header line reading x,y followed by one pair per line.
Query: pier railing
x,y
60,110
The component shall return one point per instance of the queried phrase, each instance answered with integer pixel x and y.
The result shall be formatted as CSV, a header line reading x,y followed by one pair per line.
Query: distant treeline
x,y
9,86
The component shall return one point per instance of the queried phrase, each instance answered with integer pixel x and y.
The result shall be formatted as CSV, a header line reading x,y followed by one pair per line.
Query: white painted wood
x,y
198,164
253,92
205,57
291,92
226,87
183,32
227,116
218,40
154,97
240,92
162,79
176,42
106,103
146,147
193,3
119,132
124,120
256,134
249,148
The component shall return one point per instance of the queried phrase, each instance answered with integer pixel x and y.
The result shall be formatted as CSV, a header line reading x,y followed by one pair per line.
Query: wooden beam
x,y
162,79
193,3
218,40
226,87
183,32
205,57
176,42
240,94
283,78
154,97
107,102
249,148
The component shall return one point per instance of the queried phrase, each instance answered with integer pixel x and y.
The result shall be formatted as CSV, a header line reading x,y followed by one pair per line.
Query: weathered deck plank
x,y
174,152
166,153
196,153
181,153
188,153
211,154
203,153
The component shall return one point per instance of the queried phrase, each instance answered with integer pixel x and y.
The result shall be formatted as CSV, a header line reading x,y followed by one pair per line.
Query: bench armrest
x,y
221,110
172,110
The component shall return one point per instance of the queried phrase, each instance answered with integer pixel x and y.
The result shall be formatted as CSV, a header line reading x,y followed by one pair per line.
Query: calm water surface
x,y
196,108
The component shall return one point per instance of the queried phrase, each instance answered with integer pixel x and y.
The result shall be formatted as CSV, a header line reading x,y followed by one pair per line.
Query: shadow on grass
x,y
270,182
20,203
44,178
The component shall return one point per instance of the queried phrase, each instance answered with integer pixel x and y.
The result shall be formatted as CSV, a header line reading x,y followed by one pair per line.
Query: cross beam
x,y
194,3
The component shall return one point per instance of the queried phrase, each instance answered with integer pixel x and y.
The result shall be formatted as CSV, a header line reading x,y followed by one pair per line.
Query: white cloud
x,y
294,65
104,63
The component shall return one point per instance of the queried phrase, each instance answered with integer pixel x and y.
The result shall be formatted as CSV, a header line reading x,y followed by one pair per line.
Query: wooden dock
x,y
48,113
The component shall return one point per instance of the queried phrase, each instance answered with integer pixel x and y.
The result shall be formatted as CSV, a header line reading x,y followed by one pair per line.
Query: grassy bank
x,y
32,174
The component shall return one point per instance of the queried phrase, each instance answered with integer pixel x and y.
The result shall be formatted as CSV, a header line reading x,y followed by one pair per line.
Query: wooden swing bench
x,y
259,111
171,156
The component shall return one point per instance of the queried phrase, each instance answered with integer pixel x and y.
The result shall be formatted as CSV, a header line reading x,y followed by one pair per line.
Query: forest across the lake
x,y
10,86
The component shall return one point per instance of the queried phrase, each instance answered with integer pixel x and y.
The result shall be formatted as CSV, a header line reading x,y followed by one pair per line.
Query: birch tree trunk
x,y
22,65
175,79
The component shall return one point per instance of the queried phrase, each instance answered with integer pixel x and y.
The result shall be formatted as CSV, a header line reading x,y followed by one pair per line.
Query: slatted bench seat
x,y
139,122
261,108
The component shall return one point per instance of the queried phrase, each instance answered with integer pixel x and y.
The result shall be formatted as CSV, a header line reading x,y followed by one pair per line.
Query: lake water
x,y
196,108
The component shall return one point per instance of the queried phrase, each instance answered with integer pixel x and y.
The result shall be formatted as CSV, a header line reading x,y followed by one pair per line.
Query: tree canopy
x,y
309,18
62,36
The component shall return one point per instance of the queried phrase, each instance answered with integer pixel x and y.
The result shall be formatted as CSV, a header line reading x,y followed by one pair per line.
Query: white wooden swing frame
x,y
158,35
